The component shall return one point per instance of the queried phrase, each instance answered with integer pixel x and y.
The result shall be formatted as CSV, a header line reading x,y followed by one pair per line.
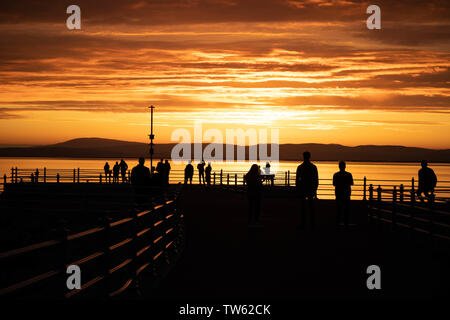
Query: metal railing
x,y
228,178
402,209
113,256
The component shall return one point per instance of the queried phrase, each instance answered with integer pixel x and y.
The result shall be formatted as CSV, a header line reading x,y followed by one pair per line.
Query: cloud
x,y
191,55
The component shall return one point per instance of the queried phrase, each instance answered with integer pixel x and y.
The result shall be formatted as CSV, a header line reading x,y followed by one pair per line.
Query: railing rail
x,y
228,178
400,208
147,240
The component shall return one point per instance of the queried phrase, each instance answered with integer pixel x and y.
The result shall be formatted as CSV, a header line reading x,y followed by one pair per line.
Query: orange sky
x,y
309,68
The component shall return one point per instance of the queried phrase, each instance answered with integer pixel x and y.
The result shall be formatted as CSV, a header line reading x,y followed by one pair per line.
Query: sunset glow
x,y
309,68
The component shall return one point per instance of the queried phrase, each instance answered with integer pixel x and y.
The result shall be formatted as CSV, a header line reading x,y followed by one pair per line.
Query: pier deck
x,y
224,259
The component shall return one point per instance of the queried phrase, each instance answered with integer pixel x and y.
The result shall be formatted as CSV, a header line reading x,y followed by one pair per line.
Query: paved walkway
x,y
224,259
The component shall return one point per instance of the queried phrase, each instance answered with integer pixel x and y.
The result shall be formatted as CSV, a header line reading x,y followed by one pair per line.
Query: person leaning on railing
x,y
427,181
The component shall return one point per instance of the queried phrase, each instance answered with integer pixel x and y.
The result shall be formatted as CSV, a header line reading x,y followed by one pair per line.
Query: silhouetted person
x,y
160,167
254,188
201,172
107,170
140,178
208,174
116,170
188,173
267,168
123,170
307,181
342,182
166,172
427,181
160,172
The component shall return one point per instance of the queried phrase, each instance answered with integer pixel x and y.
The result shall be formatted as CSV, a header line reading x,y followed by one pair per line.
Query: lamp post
x,y
151,136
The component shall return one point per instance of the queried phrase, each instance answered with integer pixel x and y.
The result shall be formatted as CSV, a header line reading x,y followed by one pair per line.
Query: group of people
x,y
307,183
204,173
163,171
118,168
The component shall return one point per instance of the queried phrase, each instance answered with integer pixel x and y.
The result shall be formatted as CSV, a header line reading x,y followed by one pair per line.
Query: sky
x,y
309,68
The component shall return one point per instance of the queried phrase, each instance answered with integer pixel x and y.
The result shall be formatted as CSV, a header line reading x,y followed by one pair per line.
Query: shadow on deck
x,y
224,259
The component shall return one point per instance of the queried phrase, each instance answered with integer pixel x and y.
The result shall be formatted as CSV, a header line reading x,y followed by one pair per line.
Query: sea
x,y
385,174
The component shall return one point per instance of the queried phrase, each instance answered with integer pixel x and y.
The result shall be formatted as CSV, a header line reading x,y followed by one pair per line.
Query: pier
x,y
193,242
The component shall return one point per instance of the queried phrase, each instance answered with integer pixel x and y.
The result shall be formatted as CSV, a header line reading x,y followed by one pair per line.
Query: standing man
x,y
208,174
188,173
160,172
140,178
342,182
107,172
427,181
160,166
123,170
201,172
307,181
166,172
116,170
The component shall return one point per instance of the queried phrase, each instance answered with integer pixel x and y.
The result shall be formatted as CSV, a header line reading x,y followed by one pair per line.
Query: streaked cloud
x,y
311,63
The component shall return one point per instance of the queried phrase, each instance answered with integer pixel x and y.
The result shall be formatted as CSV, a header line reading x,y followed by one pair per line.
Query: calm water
x,y
91,168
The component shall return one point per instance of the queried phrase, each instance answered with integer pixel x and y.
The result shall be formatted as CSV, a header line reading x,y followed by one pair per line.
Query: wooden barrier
x,y
117,256
281,178
431,218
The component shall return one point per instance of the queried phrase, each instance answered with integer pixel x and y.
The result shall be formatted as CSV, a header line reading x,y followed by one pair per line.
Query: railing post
x,y
32,178
12,175
289,178
370,200
78,175
285,178
4,179
411,210
134,249
243,179
74,173
401,193
214,178
100,178
379,193
61,258
57,178
364,190
379,190
228,179
15,179
221,175
394,207
45,175
235,179
106,256
430,220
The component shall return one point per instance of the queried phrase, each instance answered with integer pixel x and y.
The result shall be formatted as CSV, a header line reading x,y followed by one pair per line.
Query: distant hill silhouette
x,y
108,148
